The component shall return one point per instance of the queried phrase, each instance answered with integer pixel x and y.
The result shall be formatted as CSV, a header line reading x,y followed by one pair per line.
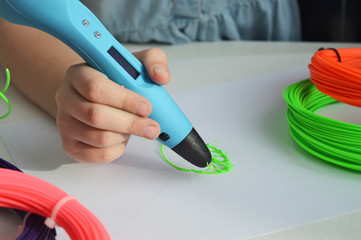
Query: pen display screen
x,y
122,62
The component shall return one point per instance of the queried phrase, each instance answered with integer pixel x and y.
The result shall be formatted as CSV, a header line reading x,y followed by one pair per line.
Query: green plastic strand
x,y
3,92
220,162
331,140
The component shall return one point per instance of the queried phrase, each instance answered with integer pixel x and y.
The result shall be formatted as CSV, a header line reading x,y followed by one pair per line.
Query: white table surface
x,y
203,61
254,58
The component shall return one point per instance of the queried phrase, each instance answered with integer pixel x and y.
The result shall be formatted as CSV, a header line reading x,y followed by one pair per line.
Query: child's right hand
x,y
96,116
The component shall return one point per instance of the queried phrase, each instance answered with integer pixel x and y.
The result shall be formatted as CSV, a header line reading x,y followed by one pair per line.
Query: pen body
x,y
75,25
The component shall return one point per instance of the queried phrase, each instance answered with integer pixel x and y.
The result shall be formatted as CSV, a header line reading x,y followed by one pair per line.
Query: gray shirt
x,y
182,21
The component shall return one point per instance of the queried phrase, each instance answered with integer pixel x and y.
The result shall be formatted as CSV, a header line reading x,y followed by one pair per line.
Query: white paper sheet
x,y
274,185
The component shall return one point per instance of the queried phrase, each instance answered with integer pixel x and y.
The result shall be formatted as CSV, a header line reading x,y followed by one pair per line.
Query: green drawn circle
x,y
220,162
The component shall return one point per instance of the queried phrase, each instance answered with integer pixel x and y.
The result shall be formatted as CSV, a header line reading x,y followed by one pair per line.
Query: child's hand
x,y
97,116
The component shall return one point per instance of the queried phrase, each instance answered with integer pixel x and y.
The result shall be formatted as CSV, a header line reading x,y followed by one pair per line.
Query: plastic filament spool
x,y
30,194
331,140
337,73
33,225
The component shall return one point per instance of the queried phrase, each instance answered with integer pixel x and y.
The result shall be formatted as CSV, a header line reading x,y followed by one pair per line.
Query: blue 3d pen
x,y
75,25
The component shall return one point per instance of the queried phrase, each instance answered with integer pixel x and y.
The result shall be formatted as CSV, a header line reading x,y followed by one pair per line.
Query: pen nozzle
x,y
194,150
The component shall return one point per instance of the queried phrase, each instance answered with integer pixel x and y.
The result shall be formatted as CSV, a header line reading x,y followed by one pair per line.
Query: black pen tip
x,y
194,150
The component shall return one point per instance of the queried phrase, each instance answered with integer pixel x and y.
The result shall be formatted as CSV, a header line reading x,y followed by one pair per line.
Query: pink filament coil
x,y
28,193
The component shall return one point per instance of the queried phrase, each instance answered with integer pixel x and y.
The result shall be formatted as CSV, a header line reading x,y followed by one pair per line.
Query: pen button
x,y
97,34
164,137
86,23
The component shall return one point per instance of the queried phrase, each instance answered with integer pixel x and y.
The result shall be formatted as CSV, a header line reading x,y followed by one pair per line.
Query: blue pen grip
x,y
74,24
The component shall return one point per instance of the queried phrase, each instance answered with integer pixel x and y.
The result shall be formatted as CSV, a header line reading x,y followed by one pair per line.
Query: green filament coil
x,y
220,162
3,92
331,140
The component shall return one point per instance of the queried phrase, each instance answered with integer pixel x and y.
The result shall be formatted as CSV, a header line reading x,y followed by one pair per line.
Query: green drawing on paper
x,y
220,162
3,92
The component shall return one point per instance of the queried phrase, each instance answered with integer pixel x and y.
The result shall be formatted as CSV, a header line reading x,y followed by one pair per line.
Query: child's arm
x,y
95,116
37,62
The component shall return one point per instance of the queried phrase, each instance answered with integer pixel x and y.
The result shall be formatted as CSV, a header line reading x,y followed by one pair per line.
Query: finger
x,y
156,63
82,152
87,134
109,118
97,88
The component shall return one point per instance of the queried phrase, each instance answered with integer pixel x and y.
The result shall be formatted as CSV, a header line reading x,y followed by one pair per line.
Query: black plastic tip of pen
x,y
194,150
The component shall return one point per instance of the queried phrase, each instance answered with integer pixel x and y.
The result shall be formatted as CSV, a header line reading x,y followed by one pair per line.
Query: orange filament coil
x,y
25,192
337,73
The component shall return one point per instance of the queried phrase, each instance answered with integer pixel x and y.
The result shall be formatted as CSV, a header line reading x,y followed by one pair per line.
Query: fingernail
x,y
142,109
160,69
150,132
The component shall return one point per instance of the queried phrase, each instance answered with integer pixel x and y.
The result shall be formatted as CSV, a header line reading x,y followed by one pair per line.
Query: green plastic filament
x,y
220,162
3,92
331,140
